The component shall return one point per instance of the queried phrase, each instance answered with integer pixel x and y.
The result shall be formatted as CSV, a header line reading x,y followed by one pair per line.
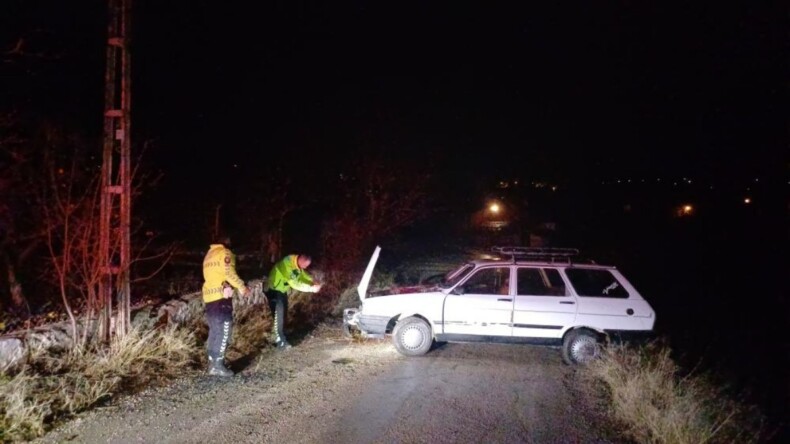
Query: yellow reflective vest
x,y
219,267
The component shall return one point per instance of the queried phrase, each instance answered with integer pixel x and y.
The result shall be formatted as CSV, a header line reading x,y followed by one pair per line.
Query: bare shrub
x,y
349,298
20,235
380,196
656,403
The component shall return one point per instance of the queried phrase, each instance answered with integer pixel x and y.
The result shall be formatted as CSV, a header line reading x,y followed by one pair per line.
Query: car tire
x,y
412,336
580,347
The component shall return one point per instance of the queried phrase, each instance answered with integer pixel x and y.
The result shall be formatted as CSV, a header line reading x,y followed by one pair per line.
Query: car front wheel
x,y
412,336
580,347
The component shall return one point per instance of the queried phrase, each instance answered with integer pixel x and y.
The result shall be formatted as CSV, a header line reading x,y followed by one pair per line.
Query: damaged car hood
x,y
364,284
362,288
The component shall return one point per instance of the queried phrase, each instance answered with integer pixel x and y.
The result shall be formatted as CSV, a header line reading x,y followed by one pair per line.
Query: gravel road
x,y
328,389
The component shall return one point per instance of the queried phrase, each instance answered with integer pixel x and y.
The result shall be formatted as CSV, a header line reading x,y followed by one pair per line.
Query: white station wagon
x,y
524,295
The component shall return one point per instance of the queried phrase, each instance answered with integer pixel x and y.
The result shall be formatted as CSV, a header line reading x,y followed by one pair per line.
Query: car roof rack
x,y
537,253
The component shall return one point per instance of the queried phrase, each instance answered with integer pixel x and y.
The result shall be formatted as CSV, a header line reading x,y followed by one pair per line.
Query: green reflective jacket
x,y
286,274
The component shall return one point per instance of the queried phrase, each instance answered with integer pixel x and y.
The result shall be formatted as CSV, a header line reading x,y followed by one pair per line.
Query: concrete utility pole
x,y
114,243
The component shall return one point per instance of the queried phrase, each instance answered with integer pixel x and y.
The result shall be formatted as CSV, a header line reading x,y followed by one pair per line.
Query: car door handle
x,y
567,302
505,300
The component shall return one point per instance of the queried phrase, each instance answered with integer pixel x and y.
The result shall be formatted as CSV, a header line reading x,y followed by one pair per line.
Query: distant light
x,y
554,188
756,179
494,208
747,200
684,210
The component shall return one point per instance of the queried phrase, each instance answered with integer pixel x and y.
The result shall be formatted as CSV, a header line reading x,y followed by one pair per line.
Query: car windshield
x,y
453,277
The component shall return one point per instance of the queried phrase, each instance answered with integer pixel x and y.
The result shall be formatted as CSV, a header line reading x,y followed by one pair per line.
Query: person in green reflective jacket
x,y
289,273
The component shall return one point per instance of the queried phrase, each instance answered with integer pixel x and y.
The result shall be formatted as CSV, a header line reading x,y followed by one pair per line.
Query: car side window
x,y
487,281
596,283
540,282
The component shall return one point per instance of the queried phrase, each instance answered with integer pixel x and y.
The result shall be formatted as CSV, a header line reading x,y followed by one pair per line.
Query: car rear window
x,y
596,283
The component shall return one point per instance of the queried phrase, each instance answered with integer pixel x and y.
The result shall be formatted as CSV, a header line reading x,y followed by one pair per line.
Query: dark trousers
x,y
219,316
278,304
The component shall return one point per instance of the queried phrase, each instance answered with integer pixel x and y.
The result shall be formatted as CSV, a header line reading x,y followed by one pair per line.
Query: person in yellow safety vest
x,y
220,281
288,273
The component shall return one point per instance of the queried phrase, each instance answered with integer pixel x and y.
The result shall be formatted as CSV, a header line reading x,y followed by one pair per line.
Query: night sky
x,y
575,94
564,90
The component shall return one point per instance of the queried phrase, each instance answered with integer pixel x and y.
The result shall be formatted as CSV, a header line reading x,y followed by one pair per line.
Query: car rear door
x,y
481,305
543,305
607,301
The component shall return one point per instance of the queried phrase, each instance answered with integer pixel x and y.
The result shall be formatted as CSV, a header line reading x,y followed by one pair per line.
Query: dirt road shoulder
x,y
329,388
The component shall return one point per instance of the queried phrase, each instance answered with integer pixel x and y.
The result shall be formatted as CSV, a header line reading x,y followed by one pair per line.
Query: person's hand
x,y
227,292
316,288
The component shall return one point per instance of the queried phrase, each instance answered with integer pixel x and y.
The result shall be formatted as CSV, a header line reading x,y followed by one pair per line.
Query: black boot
x,y
216,367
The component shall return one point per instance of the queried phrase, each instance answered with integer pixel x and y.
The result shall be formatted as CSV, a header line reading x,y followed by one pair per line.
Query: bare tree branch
x,y
162,265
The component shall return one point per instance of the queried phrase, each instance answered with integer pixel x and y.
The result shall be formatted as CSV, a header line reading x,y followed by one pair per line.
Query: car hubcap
x,y
584,350
412,338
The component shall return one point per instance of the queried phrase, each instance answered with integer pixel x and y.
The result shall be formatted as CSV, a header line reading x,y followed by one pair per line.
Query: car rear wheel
x,y
412,336
580,347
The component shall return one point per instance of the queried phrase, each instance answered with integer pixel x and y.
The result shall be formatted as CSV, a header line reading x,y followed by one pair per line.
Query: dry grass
x,y
56,385
53,386
656,403
252,326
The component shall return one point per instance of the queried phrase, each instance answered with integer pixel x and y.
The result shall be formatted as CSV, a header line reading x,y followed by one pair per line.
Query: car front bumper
x,y
367,325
